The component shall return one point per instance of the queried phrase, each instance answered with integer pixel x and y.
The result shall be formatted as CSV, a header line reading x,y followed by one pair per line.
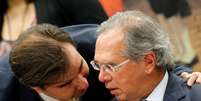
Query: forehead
x,y
70,51
109,44
74,59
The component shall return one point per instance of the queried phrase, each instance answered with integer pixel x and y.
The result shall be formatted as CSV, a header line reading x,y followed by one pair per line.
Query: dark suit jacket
x,y
177,90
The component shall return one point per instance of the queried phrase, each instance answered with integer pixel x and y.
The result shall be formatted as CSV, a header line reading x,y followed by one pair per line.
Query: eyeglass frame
x,y
108,67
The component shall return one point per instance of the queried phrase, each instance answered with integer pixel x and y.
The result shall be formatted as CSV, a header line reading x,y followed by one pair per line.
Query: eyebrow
x,y
106,63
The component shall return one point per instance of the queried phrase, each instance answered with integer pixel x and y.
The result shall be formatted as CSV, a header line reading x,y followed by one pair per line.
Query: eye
x,y
109,66
65,84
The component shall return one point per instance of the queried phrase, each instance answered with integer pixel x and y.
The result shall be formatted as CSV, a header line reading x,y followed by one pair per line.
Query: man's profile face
x,y
74,82
125,82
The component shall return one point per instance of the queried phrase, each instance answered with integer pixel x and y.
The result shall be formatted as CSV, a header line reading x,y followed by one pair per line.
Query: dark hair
x,y
38,57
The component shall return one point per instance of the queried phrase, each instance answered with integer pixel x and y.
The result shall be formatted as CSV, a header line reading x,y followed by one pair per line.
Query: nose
x,y
82,83
104,76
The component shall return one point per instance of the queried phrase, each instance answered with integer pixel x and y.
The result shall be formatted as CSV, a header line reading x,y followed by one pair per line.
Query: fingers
x,y
198,78
192,79
185,75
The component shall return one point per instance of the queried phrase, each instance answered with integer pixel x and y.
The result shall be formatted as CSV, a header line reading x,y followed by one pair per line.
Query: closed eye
x,y
65,84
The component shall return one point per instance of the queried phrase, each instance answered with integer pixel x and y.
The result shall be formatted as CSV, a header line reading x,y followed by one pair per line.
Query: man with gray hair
x,y
134,59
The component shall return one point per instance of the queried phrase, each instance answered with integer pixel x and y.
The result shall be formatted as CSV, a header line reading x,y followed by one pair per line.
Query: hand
x,y
191,78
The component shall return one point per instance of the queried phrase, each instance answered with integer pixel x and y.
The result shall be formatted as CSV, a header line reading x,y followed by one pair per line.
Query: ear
x,y
150,62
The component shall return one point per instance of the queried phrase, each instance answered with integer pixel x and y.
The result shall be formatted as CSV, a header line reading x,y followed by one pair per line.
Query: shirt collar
x,y
47,98
158,92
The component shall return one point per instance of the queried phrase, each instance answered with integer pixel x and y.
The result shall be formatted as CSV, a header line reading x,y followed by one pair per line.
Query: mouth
x,y
80,93
114,91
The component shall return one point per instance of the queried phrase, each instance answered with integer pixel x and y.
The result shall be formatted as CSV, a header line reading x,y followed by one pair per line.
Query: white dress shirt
x,y
47,98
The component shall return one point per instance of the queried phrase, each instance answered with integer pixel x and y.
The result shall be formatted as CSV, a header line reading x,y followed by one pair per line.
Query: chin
x,y
79,94
121,97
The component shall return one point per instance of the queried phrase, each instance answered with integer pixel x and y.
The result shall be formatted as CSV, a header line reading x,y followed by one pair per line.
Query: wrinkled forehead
x,y
112,37
110,43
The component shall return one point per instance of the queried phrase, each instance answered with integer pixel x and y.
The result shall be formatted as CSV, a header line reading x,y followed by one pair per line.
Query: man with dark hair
x,y
134,59
45,59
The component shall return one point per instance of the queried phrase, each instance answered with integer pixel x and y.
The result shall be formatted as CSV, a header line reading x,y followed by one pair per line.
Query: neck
x,y
150,81
153,81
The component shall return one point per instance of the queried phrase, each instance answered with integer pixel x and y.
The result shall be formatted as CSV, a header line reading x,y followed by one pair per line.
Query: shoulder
x,y
195,92
177,89
82,32
84,36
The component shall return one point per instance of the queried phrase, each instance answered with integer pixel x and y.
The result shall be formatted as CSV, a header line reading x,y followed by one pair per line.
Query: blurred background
x,y
192,22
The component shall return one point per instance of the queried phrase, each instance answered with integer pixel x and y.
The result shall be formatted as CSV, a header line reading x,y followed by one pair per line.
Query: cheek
x,y
68,92
132,82
81,85
85,69
122,80
127,84
127,78
63,93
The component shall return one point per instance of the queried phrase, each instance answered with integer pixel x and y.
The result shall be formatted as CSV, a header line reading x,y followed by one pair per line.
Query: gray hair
x,y
143,35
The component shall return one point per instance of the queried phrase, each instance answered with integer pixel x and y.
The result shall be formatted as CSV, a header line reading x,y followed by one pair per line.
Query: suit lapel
x,y
175,89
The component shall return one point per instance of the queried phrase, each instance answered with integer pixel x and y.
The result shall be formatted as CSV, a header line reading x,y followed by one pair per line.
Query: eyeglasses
x,y
107,66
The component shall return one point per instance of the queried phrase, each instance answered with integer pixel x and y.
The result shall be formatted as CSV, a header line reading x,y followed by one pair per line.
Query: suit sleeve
x,y
179,69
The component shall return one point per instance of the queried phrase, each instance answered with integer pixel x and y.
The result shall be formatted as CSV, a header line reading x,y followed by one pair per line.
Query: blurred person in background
x,y
18,15
172,15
